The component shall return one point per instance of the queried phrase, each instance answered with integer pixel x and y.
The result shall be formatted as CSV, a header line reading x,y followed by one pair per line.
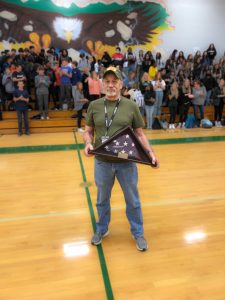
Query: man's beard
x,y
111,93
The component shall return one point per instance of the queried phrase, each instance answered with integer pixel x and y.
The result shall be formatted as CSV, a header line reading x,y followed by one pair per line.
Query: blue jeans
x,y
149,109
23,113
208,97
126,174
158,102
201,109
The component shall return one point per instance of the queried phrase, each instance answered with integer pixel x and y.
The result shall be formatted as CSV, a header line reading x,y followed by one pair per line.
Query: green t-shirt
x,y
128,114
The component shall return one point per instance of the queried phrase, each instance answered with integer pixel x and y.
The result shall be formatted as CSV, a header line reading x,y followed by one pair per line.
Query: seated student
x,y
79,103
21,98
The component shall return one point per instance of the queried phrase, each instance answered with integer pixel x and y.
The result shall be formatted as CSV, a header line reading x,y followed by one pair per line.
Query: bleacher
x,y
62,121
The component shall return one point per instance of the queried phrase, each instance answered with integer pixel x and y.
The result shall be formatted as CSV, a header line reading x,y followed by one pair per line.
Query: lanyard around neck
x,y
108,122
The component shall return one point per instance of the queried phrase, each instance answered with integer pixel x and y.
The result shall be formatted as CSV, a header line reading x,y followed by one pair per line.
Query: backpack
x,y
190,122
205,123
156,124
164,124
36,117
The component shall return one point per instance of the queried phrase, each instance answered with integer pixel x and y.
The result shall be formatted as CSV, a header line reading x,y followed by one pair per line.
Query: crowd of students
x,y
178,82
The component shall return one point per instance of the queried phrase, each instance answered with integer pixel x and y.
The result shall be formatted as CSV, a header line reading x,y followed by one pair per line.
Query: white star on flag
x,y
124,144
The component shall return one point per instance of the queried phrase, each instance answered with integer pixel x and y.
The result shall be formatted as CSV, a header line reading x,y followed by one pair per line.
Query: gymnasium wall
x,y
96,26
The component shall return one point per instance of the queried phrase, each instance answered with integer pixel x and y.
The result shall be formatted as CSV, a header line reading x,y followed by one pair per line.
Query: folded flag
x,y
124,145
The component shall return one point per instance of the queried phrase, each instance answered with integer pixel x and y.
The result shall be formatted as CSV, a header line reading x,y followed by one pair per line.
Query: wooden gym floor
x,y
47,216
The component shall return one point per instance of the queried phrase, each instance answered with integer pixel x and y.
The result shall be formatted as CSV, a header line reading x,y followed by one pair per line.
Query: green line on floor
x,y
105,274
188,140
39,148
67,147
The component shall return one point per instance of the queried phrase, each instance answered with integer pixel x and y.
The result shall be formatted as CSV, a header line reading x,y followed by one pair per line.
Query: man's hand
x,y
87,148
155,161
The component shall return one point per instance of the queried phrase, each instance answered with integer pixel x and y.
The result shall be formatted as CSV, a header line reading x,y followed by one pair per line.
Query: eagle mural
x,y
44,23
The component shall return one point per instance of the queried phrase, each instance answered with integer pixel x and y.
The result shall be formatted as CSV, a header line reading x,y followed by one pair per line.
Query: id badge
x,y
104,138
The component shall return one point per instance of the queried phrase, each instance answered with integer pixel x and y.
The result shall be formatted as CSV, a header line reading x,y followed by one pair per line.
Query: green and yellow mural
x,y
90,26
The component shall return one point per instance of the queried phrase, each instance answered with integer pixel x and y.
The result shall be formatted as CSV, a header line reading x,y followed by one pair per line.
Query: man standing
x,y
105,117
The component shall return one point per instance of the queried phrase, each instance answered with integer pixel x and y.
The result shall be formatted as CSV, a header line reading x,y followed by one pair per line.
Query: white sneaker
x,y
219,124
170,126
179,125
183,125
173,126
42,117
47,118
81,130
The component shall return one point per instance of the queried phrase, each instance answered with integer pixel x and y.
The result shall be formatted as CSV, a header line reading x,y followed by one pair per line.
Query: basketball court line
x,y
170,202
101,256
67,147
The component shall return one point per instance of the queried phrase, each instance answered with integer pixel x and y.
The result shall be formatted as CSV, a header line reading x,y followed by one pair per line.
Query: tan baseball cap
x,y
114,71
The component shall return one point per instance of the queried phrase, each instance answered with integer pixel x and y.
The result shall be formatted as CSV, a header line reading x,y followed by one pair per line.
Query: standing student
x,y
42,83
199,93
211,51
21,98
94,86
149,98
218,101
159,86
184,102
105,117
65,83
79,103
172,104
8,85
